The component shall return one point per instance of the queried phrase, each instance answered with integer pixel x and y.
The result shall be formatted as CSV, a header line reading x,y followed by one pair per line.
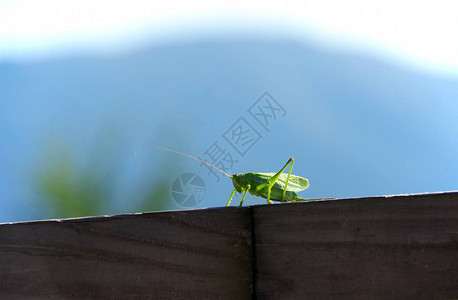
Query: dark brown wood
x,y
403,247
197,254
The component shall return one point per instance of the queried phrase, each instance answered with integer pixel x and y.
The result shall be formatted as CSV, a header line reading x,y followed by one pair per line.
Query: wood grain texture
x,y
197,254
403,247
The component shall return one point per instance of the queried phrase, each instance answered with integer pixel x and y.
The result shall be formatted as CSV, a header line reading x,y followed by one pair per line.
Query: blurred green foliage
x,y
69,188
71,193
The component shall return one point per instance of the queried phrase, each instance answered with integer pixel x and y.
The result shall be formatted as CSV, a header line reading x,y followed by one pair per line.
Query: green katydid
x,y
278,186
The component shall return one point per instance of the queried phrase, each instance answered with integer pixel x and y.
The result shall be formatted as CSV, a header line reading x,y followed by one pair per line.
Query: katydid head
x,y
239,182
181,153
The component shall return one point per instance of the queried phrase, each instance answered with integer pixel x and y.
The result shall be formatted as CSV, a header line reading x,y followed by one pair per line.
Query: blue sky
x,y
421,34
370,88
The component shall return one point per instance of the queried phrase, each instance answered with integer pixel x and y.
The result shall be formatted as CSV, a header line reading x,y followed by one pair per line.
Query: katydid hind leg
x,y
270,183
274,178
287,179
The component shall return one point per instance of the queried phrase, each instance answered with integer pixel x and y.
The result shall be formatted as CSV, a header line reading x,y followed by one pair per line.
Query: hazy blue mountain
x,y
356,125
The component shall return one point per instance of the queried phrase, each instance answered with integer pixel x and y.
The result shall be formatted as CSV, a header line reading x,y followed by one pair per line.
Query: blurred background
x,y
364,96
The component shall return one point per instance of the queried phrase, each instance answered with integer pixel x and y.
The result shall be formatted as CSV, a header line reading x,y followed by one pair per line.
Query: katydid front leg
x,y
230,199
270,183
244,194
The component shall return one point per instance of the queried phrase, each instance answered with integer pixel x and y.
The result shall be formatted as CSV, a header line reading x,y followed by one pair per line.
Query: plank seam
x,y
254,268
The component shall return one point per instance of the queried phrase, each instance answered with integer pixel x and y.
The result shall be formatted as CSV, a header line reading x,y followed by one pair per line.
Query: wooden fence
x,y
399,247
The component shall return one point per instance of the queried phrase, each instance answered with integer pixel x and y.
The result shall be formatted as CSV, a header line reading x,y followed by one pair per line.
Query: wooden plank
x,y
403,247
197,254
